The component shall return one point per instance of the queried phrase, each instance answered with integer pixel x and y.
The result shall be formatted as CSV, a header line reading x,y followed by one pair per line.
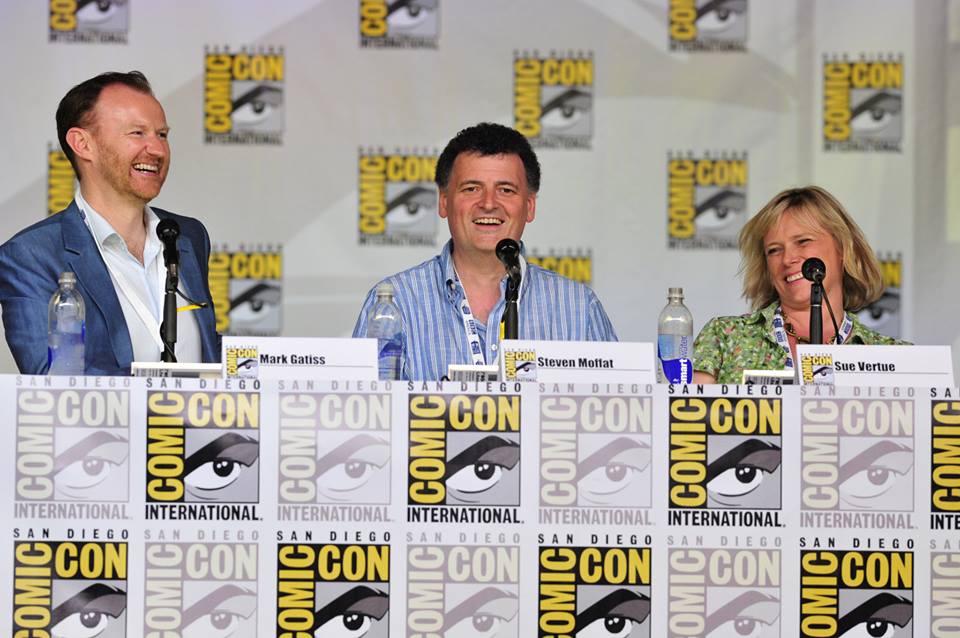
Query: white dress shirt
x,y
140,287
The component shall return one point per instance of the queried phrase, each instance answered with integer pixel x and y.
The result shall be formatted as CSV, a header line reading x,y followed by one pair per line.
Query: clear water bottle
x,y
386,326
65,328
675,340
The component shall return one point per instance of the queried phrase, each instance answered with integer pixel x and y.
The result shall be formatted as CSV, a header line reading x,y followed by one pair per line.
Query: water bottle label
x,y
677,370
673,352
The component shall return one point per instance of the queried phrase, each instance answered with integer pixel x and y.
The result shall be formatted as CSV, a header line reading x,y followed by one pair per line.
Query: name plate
x,y
299,358
577,361
916,366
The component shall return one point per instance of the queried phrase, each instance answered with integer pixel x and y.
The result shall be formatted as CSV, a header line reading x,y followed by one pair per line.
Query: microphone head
x,y
507,249
168,230
814,269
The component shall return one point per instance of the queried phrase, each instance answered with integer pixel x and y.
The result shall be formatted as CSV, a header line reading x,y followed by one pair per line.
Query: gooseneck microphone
x,y
814,269
508,252
168,230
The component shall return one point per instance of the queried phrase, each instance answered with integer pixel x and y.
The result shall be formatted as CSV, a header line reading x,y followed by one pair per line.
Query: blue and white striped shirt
x,y
552,308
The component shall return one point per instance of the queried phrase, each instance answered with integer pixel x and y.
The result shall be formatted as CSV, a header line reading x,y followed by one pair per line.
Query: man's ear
x,y
442,203
81,141
531,207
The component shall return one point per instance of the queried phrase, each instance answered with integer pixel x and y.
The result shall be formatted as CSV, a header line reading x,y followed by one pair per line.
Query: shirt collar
x,y
764,317
104,233
450,278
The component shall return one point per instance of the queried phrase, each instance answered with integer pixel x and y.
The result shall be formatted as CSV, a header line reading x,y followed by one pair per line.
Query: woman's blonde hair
x,y
862,281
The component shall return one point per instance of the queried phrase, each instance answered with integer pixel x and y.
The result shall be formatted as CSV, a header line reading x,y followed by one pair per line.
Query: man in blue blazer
x,y
114,133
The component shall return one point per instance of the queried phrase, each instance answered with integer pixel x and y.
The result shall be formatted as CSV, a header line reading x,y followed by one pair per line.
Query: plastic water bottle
x,y
65,328
675,340
386,325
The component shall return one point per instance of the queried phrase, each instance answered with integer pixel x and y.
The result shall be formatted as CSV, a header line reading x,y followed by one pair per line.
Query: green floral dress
x,y
729,345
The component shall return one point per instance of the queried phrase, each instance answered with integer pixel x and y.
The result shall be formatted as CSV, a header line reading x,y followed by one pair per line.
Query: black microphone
x,y
168,230
508,252
814,269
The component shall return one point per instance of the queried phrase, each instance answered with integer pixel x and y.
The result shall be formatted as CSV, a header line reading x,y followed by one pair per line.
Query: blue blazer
x,y
30,266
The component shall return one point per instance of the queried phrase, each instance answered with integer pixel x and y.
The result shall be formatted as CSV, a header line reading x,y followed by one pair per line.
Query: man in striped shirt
x,y
488,177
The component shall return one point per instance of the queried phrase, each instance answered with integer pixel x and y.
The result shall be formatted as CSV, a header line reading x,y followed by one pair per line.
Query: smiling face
x,y
130,154
796,237
487,199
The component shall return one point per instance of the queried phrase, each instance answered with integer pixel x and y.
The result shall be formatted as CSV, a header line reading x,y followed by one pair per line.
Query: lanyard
x,y
780,333
470,324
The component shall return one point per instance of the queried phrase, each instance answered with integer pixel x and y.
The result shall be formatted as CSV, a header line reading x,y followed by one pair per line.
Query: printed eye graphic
x,y
255,302
223,612
742,469
614,615
878,617
219,463
88,463
257,104
88,613
874,472
246,363
352,614
879,312
720,15
411,206
876,112
611,470
479,468
408,14
748,615
96,11
566,109
350,466
720,210
482,615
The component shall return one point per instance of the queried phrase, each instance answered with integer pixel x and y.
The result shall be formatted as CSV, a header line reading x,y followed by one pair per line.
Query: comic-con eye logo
x,y
572,264
397,198
595,452
400,24
61,182
333,590
200,590
553,98
863,103
857,456
243,96
708,25
203,447
817,369
718,593
883,315
66,588
464,450
519,365
89,21
852,593
72,446
247,290
706,199
242,363
594,591
944,592
945,448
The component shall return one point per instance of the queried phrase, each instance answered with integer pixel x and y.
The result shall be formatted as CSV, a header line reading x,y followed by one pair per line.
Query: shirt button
x,y
494,347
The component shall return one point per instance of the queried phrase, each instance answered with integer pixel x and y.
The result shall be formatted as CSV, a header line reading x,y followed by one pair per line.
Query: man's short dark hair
x,y
487,139
77,104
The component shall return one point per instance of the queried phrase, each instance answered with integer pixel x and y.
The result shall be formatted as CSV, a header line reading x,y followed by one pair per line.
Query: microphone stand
x,y
816,313
168,328
511,318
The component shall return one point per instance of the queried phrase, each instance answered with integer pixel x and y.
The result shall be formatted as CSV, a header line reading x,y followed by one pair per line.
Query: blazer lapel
x,y
84,259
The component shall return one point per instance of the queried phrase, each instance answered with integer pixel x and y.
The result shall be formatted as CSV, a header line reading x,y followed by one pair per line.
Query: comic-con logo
x,y
817,369
333,590
944,593
594,591
595,454
862,103
708,25
725,456
464,450
203,448
243,96
553,98
61,182
717,593
883,315
706,199
463,590
519,365
405,24
89,21
945,473
66,588
857,462
73,450
572,264
856,593
246,284
200,589
242,362
334,456
397,202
